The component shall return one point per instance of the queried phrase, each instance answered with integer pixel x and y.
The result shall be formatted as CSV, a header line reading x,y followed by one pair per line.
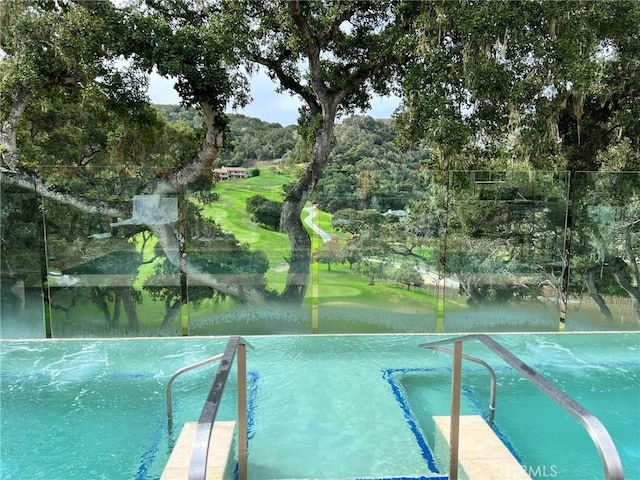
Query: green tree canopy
x,y
334,55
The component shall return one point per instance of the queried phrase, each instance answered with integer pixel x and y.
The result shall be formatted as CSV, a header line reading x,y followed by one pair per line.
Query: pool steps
x,y
481,453
482,456
220,451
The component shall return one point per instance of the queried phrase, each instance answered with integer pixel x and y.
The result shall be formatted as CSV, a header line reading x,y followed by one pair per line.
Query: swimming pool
x,y
341,407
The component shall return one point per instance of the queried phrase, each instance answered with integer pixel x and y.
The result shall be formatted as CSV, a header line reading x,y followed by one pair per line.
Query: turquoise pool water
x,y
339,407
546,440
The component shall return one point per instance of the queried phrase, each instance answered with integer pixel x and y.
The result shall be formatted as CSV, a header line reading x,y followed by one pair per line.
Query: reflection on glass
x,y
236,258
453,251
21,255
373,267
605,280
102,257
504,243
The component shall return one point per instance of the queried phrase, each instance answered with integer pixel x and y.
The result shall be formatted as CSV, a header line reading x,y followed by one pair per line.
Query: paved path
x,y
311,211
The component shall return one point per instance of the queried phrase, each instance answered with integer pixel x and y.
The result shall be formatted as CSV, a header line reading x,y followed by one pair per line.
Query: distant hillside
x,y
254,140
250,140
176,113
365,170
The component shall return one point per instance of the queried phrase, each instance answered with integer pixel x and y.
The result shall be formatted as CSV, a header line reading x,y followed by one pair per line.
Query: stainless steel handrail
x,y
201,440
492,374
604,444
179,372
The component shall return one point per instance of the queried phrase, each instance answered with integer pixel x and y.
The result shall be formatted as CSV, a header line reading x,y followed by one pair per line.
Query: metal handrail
x,y
604,444
201,440
179,372
492,374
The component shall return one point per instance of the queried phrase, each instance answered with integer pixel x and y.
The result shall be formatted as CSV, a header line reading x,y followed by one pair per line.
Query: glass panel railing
x,y
21,260
238,259
103,256
504,243
604,292
462,251
371,265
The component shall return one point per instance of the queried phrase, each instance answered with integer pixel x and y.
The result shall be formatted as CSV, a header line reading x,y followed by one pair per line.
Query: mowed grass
x,y
347,302
340,286
230,213
337,301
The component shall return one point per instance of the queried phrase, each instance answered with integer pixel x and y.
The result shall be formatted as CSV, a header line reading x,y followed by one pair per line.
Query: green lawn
x,y
345,300
230,213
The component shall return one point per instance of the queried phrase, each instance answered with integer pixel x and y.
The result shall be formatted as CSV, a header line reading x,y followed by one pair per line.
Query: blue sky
x,y
267,105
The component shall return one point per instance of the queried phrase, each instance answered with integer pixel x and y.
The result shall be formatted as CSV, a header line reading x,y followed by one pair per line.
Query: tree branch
x,y
628,248
209,150
234,287
289,82
34,182
9,131
330,33
313,48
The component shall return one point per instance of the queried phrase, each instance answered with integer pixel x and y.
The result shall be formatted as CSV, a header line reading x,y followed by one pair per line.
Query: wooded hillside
x,y
366,168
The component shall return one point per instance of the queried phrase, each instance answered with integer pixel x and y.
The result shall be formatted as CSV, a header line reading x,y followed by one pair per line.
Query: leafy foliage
x,y
546,84
329,252
407,274
367,170
504,87
264,211
253,140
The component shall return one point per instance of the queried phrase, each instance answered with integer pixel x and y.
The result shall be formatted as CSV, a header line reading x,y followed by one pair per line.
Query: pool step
x,y
481,454
220,450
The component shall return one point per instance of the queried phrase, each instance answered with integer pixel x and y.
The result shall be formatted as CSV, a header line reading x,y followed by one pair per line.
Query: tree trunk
x,y
130,309
98,299
300,260
473,294
635,272
471,285
595,295
171,311
617,267
115,320
9,130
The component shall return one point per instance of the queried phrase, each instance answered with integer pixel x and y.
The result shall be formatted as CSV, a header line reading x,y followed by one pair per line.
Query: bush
x,y
254,202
